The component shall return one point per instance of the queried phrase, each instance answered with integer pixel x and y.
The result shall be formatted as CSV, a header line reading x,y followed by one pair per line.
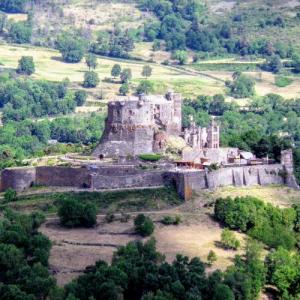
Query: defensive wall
x,y
117,177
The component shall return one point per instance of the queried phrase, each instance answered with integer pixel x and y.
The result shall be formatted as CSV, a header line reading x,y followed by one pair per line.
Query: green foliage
x,y
71,46
26,98
145,87
26,65
73,213
228,240
124,89
181,56
271,225
117,43
116,70
171,220
10,195
296,155
24,254
126,75
273,64
147,71
211,257
20,32
91,79
80,97
282,81
91,61
283,272
296,63
223,292
150,157
242,87
143,225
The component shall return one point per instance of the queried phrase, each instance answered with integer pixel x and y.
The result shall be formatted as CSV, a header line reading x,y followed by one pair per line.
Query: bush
x,y
73,213
26,65
228,240
10,195
80,97
170,220
124,89
116,70
282,81
211,257
91,79
150,157
143,225
242,87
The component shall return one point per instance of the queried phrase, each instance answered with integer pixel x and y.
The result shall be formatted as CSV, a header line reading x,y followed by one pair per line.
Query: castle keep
x,y
139,124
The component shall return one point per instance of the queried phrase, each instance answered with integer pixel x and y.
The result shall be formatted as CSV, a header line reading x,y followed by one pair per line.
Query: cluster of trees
x,y
274,226
19,140
24,254
268,125
115,43
185,24
26,98
242,86
138,271
73,213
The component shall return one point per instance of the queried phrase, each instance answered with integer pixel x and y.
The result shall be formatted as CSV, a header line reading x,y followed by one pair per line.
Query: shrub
x,y
80,97
228,240
211,257
124,89
91,79
242,87
143,225
10,195
26,65
170,220
126,75
145,87
150,157
73,213
116,70
282,81
20,32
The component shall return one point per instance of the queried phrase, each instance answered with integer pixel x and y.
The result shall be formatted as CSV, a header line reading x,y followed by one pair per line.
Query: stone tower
x,y
133,125
287,162
213,135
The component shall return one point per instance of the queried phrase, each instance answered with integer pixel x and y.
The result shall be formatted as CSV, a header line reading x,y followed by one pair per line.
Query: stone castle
x,y
141,125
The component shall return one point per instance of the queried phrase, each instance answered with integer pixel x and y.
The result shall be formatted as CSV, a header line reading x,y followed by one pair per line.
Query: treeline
x,y
13,6
19,140
277,228
268,125
25,98
186,24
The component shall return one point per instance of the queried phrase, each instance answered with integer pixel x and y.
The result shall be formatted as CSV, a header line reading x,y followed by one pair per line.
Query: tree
x,y
273,64
12,6
80,97
91,79
124,89
143,225
228,240
147,71
242,87
91,61
73,213
20,32
223,292
26,65
181,56
10,195
71,47
126,75
211,257
116,70
145,87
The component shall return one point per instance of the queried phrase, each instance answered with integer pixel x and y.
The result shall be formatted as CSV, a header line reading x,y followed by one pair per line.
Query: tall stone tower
x,y
213,135
135,125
